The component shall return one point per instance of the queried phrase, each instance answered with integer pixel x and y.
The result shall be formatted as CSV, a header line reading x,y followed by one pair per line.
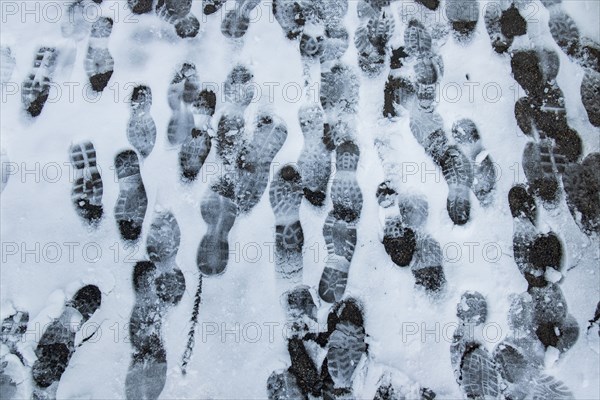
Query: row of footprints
x,y
553,158
405,239
53,350
86,195
332,362
158,285
539,257
464,164
98,64
327,129
515,369
343,343
582,50
238,192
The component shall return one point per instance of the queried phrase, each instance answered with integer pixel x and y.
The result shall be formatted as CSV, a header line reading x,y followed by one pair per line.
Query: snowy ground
x,y
47,253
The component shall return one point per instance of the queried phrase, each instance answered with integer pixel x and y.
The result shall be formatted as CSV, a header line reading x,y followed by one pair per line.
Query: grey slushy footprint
x,y
564,30
239,86
467,136
302,377
399,236
311,46
181,126
345,347
314,162
285,196
236,22
146,375
429,69
340,240
36,86
339,90
417,39
87,191
553,325
426,266
371,40
183,91
503,25
458,173
520,357
187,27
196,147
132,202
164,236
303,367
178,13
230,137
500,42
590,95
301,310
345,192
219,211
472,308
524,212
57,344
158,284
141,129
334,44
474,367
99,63
288,14
581,183
399,241
538,165
397,94
478,374
254,163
